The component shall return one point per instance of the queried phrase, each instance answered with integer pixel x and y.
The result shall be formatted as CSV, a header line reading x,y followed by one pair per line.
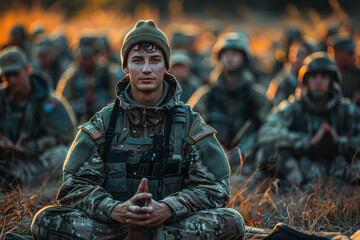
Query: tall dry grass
x,y
320,207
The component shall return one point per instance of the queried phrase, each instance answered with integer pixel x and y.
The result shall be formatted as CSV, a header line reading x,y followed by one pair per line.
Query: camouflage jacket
x,y
229,108
204,164
73,86
293,125
45,119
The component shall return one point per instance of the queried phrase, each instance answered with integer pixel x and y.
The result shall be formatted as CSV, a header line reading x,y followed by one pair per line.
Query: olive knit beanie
x,y
147,32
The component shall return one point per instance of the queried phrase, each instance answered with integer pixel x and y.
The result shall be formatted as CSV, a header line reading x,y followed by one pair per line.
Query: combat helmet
x,y
318,62
230,41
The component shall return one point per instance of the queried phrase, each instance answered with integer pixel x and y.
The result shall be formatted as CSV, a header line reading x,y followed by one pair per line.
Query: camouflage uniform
x,y
233,110
197,203
284,138
76,85
46,121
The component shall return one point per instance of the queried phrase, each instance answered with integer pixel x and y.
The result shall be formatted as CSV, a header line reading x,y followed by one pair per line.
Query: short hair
x,y
145,47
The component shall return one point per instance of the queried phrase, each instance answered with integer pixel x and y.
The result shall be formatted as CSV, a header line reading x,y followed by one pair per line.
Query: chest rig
x,y
134,158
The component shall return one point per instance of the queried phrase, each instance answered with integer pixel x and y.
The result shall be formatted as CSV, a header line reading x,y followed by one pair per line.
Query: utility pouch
x,y
171,184
115,173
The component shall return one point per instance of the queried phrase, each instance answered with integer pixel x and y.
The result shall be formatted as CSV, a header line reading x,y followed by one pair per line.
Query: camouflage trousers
x,y
34,170
63,222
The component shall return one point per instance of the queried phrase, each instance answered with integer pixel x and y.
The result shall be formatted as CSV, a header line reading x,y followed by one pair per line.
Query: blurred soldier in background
x,y
36,30
181,68
345,59
35,125
18,37
108,59
282,49
234,105
328,38
63,50
185,42
47,60
286,81
315,136
87,85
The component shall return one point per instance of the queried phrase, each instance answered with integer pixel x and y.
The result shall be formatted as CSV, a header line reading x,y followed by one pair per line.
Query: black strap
x,y
111,129
169,115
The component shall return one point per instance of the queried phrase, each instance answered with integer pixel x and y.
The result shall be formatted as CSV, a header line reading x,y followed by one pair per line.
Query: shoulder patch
x,y
92,130
49,105
201,132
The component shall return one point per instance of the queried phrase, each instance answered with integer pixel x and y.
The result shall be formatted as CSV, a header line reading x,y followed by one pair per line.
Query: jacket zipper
x,y
144,122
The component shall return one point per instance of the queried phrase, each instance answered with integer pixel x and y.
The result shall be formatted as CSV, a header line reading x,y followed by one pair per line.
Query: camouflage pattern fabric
x,y
70,223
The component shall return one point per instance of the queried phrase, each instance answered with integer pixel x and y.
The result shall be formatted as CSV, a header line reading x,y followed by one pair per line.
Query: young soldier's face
x,y
231,59
17,80
344,59
146,71
180,71
319,82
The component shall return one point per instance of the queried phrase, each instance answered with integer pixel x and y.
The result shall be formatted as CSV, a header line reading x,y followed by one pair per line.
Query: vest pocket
x,y
171,185
115,177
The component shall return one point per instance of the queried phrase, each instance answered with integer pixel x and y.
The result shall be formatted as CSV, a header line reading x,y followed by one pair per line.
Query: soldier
x,y
315,136
63,50
285,82
18,37
146,167
282,49
35,125
235,106
87,85
47,60
181,65
344,53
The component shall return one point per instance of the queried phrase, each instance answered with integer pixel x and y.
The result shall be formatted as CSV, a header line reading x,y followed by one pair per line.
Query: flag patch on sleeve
x,y
92,130
201,132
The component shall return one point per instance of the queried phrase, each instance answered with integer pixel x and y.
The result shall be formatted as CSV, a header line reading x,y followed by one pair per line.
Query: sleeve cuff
x,y
178,210
104,210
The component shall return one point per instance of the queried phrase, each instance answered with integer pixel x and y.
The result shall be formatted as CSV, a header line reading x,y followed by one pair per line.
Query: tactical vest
x,y
135,158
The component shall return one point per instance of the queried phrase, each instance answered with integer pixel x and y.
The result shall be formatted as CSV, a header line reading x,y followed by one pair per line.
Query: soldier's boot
x,y
283,232
136,233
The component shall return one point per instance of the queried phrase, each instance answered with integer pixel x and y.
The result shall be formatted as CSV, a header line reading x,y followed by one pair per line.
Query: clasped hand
x,y
17,148
151,215
324,129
